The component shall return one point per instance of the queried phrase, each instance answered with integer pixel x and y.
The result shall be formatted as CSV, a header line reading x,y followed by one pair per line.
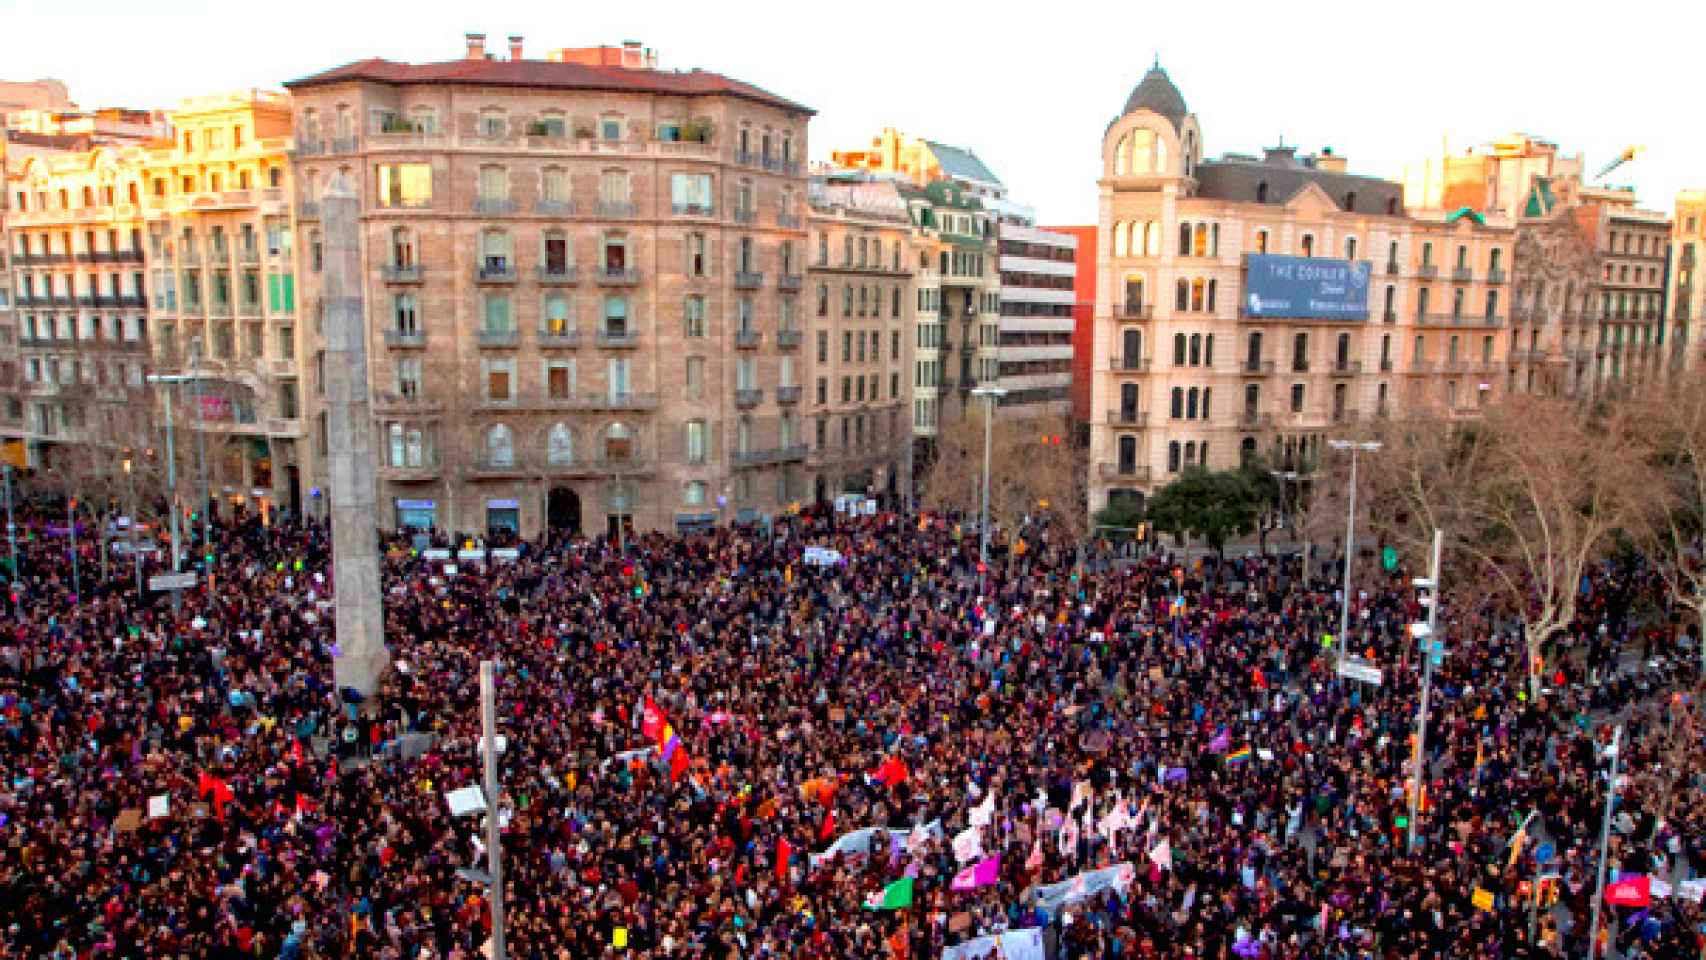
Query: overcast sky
x,y
1029,86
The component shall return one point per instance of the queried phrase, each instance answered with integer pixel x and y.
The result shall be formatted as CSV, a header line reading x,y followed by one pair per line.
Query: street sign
x,y
1544,853
172,581
1356,668
1389,559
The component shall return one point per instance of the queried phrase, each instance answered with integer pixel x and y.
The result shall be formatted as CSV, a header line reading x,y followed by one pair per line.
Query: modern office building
x,y
583,279
1327,301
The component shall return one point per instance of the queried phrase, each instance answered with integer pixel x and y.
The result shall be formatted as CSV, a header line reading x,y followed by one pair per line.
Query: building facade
x,y
861,327
582,285
1083,324
1687,299
1038,272
1177,237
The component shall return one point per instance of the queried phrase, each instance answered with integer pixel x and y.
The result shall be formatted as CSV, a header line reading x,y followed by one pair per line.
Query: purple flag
x,y
980,874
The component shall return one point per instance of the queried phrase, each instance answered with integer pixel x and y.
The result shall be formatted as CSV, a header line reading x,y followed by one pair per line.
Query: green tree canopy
x,y
1214,506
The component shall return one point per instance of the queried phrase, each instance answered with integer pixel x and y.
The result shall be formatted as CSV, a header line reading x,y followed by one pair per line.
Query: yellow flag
x,y
619,938
1483,899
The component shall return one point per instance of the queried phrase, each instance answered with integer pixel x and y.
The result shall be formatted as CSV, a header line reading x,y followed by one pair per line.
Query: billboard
x,y
1312,288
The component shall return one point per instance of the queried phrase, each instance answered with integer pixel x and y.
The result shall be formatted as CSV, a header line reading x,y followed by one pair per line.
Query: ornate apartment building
x,y
861,328
1687,298
1199,359
584,285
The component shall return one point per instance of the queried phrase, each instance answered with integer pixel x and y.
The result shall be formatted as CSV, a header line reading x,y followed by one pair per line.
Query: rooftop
x,y
547,74
1284,174
962,163
1156,92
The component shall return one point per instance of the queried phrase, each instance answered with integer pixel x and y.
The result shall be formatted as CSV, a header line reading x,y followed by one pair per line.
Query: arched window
x,y
1309,245
1176,408
1143,151
1152,239
1131,347
559,445
1122,240
1262,192
1206,393
1190,452
1182,296
500,446
1173,457
1179,346
1196,349
1184,239
1191,404
1122,156
1134,292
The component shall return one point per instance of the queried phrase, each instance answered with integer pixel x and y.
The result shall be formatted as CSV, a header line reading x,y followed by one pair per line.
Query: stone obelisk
x,y
362,657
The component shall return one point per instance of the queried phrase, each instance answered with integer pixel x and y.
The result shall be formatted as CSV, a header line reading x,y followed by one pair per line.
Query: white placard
x,y
465,801
160,807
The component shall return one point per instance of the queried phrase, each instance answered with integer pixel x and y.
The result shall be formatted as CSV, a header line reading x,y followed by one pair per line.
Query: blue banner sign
x,y
1312,288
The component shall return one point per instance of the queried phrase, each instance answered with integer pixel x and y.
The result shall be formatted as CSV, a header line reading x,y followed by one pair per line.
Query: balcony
x,y
1686,258
1392,268
1496,275
554,208
1462,274
746,399
1122,472
1346,368
745,158
249,256
498,339
1389,316
306,210
1128,364
744,215
773,164
494,270
346,144
788,395
494,206
789,282
618,339
1132,419
219,309
509,467
693,209
1427,271
401,274
788,221
760,458
748,280
1258,368
1255,420
1529,356
617,277
557,273
1134,311
405,339
748,339
615,210
789,339
310,148
1346,415
559,339
1300,366
1386,366
1421,368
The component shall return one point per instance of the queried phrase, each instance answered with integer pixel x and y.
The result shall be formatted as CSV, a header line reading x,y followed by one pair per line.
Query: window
x,y
1351,243
405,185
697,438
496,315
555,252
492,124
407,372
402,248
495,251
1261,241
613,188
560,379
697,264
1300,352
404,314
1297,398
616,317
691,193
559,445
1309,245
494,185
500,380
1176,408
693,378
693,316
610,128
554,315
500,446
1492,304
1173,457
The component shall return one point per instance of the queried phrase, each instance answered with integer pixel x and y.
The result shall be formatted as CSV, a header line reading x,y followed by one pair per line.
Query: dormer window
x,y
1262,192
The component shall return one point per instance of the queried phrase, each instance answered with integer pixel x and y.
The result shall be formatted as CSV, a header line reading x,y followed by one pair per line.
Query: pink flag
x,y
980,874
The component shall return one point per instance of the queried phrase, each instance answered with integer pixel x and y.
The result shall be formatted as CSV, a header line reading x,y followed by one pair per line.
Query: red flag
x,y
678,764
651,721
295,749
891,772
828,829
221,793
784,850
305,805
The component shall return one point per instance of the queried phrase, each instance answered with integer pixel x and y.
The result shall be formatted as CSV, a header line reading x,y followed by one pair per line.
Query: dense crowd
x,y
1182,716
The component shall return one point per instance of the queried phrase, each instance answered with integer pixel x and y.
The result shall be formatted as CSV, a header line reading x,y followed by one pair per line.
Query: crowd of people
x,y
834,739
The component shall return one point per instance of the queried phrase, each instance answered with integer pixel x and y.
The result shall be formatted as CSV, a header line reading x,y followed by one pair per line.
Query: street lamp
x,y
1354,447
992,394
1286,479
1432,648
172,478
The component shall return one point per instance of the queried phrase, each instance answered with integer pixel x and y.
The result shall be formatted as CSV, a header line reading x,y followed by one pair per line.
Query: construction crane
x,y
1628,154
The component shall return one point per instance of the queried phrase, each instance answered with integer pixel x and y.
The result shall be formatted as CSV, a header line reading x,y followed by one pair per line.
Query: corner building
x,y
1198,363
583,283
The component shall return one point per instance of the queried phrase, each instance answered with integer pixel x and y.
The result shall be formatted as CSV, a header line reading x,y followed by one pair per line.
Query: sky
x,y
1030,87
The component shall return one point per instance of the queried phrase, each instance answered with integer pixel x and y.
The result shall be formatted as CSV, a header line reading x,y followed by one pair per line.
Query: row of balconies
x,y
547,139
95,256
106,301
570,339
1335,368
32,341
500,270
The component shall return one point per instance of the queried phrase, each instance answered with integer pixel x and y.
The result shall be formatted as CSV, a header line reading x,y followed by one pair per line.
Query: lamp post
x,y
1350,535
1424,632
494,819
172,483
200,445
1286,478
1604,841
12,541
135,551
992,395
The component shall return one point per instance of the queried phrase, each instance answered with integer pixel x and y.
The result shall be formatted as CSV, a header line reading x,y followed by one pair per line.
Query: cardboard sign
x,y
128,821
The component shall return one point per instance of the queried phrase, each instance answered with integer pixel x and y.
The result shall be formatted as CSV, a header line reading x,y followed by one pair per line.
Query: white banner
x,y
1012,945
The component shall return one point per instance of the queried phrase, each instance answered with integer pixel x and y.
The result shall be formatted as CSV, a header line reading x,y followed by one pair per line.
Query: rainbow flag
x,y
1239,755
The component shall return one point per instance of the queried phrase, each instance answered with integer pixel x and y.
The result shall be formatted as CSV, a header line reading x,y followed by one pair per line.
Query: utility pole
x,y
12,540
172,487
201,446
1605,840
71,538
1427,639
1350,539
494,827
991,395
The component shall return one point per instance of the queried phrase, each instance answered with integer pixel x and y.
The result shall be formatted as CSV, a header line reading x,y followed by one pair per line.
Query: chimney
x,y
476,46
631,54
515,47
1329,161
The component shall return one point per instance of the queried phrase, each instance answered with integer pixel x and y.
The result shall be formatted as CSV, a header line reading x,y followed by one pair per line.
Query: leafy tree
x,y
1214,506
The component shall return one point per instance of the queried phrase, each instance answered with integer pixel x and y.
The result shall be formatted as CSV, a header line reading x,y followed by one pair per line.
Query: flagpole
x,y
494,826
1604,841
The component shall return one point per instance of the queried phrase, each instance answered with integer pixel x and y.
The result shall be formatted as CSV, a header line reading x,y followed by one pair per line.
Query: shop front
x,y
418,514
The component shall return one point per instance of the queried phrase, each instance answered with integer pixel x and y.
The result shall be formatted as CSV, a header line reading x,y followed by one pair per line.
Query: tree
x,y
1677,418
1214,506
1033,474
1530,497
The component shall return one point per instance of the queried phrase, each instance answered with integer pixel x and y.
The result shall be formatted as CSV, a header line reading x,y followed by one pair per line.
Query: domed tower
x,y
1156,135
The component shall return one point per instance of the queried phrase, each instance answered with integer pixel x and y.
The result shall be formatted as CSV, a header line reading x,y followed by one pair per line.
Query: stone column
x,y
362,656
